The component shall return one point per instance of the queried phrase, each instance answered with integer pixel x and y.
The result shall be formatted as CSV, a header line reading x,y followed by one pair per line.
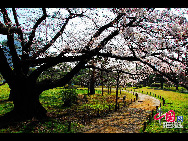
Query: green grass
x,y
52,101
175,101
5,106
98,101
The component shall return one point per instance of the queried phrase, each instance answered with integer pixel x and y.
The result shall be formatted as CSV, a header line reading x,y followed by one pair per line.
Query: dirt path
x,y
125,120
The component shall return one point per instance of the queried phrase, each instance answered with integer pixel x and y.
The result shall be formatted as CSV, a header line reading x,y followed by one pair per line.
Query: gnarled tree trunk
x,y
25,97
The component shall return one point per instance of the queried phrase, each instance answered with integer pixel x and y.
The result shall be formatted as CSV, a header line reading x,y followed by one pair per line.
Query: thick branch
x,y
109,70
5,69
10,43
118,57
163,74
65,79
15,58
79,66
101,29
52,61
5,30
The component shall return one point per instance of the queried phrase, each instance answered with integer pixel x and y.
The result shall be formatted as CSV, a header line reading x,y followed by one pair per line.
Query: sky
x,y
50,11
35,12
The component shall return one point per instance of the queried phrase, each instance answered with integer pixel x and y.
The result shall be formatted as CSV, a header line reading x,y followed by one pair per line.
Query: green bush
x,y
69,97
155,85
138,86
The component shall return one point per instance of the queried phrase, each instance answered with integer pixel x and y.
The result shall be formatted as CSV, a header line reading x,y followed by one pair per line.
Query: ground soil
x,y
127,119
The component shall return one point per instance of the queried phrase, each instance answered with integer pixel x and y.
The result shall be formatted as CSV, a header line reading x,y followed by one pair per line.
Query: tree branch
x,y
5,30
6,19
5,69
79,66
10,43
174,59
50,62
54,60
101,29
53,39
32,35
15,58
118,57
18,26
108,70
163,74
37,72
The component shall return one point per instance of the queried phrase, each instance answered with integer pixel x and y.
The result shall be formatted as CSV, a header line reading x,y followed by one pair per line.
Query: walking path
x,y
125,120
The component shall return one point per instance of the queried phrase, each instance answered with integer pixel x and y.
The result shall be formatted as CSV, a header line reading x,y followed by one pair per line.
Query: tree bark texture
x,y
25,97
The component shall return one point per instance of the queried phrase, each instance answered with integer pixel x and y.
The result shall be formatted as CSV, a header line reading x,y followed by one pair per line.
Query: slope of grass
x,y
175,101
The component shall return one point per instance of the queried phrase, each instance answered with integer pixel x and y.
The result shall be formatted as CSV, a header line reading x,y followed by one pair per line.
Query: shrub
x,y
69,97
155,85
138,86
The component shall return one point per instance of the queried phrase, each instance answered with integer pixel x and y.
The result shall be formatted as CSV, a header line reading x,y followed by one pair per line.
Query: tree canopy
x,y
134,40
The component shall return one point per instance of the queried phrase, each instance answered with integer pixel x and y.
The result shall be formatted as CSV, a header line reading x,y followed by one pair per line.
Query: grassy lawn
x,y
52,101
175,101
5,106
59,116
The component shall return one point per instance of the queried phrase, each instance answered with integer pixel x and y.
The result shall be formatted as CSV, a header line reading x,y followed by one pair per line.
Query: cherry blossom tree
x,y
37,37
158,41
144,37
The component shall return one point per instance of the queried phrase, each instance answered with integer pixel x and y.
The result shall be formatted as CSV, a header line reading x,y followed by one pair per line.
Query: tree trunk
x,y
177,85
161,84
161,80
144,83
92,82
102,85
117,87
25,97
